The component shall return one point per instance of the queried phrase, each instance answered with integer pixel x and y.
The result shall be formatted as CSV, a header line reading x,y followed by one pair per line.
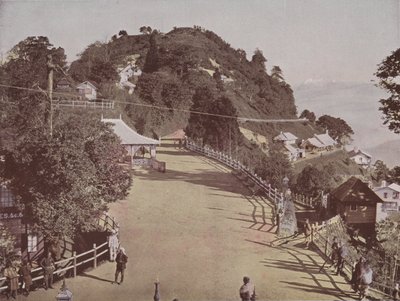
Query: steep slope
x,y
174,65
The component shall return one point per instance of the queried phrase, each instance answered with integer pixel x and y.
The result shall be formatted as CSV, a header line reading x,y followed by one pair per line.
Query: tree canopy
x,y
311,181
219,132
308,115
337,128
389,80
61,182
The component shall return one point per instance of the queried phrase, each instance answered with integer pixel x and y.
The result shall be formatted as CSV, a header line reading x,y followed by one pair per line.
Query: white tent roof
x,y
127,135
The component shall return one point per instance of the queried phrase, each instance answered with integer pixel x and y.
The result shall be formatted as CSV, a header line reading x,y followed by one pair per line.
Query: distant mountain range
x,y
358,104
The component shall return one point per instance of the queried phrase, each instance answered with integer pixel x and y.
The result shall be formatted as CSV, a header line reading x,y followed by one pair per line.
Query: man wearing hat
x,y
247,291
121,261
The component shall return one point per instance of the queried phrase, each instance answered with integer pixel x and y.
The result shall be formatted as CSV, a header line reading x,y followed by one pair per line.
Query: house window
x,y
395,195
32,242
353,207
390,206
6,197
385,195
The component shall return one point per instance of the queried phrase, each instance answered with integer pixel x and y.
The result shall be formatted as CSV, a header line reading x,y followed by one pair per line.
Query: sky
x,y
335,40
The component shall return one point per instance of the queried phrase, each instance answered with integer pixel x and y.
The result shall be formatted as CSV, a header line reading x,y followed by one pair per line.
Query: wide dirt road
x,y
198,231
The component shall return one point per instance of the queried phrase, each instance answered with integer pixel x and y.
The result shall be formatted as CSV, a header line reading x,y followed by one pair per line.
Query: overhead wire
x,y
239,118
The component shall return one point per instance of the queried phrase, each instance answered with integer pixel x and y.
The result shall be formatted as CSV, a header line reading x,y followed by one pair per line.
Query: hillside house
x,y
286,138
360,157
319,142
356,203
390,196
63,84
87,89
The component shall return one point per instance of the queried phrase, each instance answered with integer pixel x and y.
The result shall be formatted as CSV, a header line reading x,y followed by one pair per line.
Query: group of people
x,y
362,273
22,273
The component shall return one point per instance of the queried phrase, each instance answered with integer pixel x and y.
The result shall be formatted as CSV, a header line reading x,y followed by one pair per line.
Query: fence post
x,y
326,247
74,257
94,256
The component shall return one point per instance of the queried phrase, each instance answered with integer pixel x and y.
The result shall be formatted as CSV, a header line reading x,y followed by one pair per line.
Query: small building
x,y
175,136
136,145
64,84
319,142
360,157
356,203
390,196
286,138
87,89
293,152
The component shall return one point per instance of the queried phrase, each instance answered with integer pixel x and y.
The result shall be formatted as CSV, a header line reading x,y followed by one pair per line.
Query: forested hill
x,y
174,65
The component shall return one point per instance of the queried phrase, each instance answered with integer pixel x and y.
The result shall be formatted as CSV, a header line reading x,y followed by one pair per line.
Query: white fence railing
x,y
85,104
76,260
271,192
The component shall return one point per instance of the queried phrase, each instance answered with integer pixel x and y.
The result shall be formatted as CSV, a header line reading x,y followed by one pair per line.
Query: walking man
x,y
47,263
121,260
26,273
342,252
10,272
307,233
247,291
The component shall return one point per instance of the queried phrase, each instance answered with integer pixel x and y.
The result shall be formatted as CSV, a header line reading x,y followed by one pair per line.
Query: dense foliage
x,y
61,182
389,75
308,115
312,181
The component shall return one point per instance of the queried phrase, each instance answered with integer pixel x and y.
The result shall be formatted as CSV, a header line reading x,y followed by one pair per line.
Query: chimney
x,y
355,149
383,184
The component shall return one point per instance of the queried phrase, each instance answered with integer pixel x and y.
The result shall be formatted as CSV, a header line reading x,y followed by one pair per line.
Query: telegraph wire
x,y
239,118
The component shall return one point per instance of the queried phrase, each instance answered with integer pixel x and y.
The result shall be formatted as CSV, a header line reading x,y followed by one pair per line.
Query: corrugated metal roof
x,y
314,141
325,139
127,135
285,136
355,191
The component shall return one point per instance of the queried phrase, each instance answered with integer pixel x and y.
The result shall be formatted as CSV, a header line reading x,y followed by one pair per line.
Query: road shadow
x,y
96,278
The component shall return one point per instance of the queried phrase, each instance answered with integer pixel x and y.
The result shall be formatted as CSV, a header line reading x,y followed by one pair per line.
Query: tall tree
x,y
389,75
312,181
152,57
258,59
308,115
63,182
276,73
381,171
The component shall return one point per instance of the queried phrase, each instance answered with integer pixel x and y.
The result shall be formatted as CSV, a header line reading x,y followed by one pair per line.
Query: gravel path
x,y
197,229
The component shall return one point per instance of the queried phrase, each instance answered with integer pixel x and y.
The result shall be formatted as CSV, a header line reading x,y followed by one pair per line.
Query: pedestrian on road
x,y
47,263
366,280
307,233
342,252
279,220
121,260
26,273
335,249
10,272
247,291
113,244
356,275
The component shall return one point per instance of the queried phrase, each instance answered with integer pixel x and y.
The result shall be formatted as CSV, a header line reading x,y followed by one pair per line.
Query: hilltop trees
x,y
276,73
337,128
258,59
389,74
152,58
308,115
27,64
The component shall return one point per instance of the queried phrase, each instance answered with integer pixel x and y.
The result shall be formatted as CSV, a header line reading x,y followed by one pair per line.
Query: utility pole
x,y
50,70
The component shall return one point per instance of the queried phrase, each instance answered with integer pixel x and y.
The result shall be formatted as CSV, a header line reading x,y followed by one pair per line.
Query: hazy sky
x,y
331,40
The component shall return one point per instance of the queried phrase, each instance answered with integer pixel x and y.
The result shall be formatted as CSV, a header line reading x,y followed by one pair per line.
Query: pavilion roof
x,y
127,135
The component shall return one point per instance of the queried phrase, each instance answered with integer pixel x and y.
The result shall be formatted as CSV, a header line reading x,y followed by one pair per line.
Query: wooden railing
x,y
322,238
246,173
84,104
72,263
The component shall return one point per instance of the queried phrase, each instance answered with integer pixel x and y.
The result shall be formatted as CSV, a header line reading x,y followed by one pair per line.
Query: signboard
x,y
10,215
